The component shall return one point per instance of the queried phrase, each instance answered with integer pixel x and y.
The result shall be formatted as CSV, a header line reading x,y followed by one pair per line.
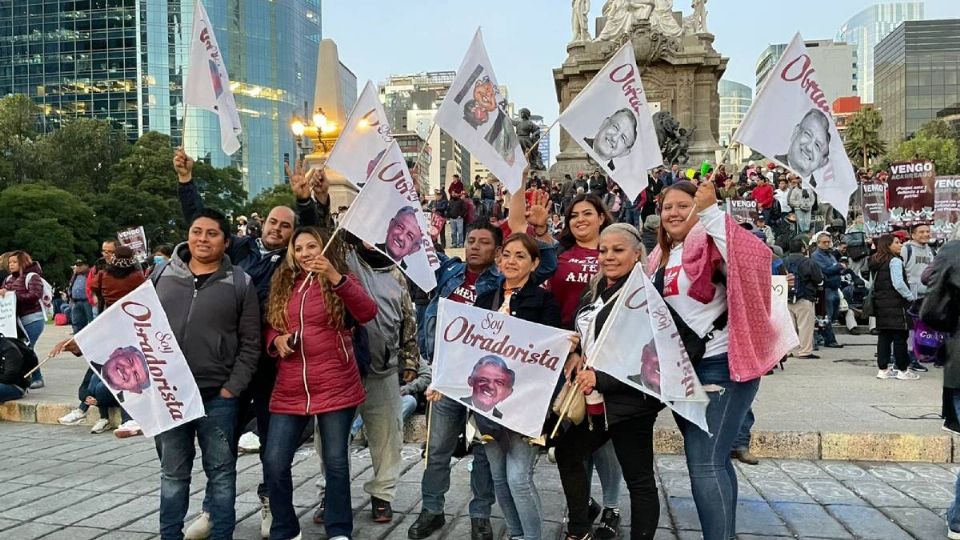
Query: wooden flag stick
x,y
44,361
565,407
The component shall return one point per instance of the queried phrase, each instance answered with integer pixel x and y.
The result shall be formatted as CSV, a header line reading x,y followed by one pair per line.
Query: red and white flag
x,y
208,85
790,123
611,121
365,138
387,215
475,114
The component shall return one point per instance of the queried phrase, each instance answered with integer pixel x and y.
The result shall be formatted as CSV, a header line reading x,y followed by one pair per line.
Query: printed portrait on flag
x,y
388,216
132,348
500,367
611,121
403,237
790,122
474,113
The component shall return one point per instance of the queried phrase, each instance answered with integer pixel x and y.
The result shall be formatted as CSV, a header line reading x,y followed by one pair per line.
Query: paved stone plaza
x,y
61,482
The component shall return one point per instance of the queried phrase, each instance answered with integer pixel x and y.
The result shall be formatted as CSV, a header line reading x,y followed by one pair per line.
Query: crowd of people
x,y
291,331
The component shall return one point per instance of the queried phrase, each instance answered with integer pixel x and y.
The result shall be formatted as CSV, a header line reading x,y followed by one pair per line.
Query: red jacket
x,y
110,288
764,196
321,375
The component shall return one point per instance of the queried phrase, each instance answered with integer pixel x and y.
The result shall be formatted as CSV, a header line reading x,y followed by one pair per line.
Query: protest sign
x,y
791,124
475,114
135,239
387,215
208,85
946,207
364,140
8,315
876,217
653,359
910,192
611,121
498,366
437,222
743,211
131,347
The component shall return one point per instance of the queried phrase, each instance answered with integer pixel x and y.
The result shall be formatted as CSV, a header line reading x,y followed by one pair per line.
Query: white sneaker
x,y
907,375
249,443
886,373
200,528
73,417
130,428
266,518
101,426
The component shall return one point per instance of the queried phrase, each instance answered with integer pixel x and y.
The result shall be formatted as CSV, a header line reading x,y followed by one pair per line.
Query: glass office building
x,y
916,75
735,101
125,61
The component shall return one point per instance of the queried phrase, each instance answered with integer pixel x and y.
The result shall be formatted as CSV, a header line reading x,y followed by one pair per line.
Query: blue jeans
x,y
284,439
408,405
608,468
456,232
105,399
33,330
953,513
10,392
81,314
832,297
448,420
176,447
512,461
743,438
712,476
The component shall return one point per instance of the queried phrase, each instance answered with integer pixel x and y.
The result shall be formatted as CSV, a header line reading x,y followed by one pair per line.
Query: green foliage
x,y
78,156
221,188
18,139
51,224
279,195
862,139
934,142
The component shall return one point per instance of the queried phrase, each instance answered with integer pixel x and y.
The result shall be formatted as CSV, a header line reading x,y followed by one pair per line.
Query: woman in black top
x,y
614,410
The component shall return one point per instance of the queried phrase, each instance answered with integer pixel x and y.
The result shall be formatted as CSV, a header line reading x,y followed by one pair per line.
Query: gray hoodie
x,y
218,332
916,257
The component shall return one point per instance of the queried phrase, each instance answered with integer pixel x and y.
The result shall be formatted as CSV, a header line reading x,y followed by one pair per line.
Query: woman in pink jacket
x,y
312,309
715,277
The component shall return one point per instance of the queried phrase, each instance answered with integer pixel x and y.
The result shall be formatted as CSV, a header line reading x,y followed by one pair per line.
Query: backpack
x,y
927,342
46,299
775,211
16,359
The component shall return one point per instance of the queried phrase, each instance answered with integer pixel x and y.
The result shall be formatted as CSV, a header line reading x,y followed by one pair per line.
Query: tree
x,y
18,139
220,188
932,142
278,195
862,139
78,156
51,224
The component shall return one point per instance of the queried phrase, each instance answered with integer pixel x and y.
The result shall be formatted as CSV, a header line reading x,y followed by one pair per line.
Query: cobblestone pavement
x,y
61,482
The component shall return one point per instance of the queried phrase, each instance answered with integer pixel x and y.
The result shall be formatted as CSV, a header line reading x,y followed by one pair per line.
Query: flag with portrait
x,y
131,347
611,121
500,367
474,112
387,215
790,123
364,139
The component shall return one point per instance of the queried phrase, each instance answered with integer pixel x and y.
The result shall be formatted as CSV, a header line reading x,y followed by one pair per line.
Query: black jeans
x,y
898,339
633,443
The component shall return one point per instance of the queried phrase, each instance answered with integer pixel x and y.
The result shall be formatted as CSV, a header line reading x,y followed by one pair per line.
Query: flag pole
x,y
44,361
723,158
332,236
565,407
536,143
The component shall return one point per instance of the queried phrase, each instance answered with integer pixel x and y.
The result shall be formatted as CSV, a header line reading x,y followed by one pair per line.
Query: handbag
x,y
577,410
867,309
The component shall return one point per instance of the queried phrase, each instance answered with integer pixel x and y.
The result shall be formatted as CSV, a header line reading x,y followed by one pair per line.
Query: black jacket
x,y
531,303
808,275
889,306
621,401
456,208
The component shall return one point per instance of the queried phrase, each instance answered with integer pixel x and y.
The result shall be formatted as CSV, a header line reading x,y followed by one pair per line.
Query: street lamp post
x,y
320,133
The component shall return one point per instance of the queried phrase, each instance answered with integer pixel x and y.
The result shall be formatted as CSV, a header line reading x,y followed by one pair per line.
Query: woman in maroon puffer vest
x,y
312,308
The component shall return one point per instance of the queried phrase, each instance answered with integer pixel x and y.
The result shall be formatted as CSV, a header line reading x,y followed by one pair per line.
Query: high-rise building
x,y
917,75
125,61
867,28
836,65
735,101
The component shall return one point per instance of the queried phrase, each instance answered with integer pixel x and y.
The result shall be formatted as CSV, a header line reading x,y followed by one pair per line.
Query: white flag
x,y
500,367
475,114
208,85
387,214
131,347
611,121
653,359
364,140
791,124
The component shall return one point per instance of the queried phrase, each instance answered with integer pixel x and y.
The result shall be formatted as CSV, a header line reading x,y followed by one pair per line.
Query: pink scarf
x,y
756,344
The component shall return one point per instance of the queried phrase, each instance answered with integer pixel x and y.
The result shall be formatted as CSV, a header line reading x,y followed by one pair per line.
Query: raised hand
x,y
300,179
322,266
321,186
536,215
183,164
706,196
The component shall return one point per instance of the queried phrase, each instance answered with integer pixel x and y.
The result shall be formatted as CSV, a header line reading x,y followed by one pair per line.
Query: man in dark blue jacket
x,y
831,269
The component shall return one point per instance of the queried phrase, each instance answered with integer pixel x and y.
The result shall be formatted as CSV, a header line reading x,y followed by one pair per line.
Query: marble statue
x,y
663,21
696,22
621,15
581,29
528,132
